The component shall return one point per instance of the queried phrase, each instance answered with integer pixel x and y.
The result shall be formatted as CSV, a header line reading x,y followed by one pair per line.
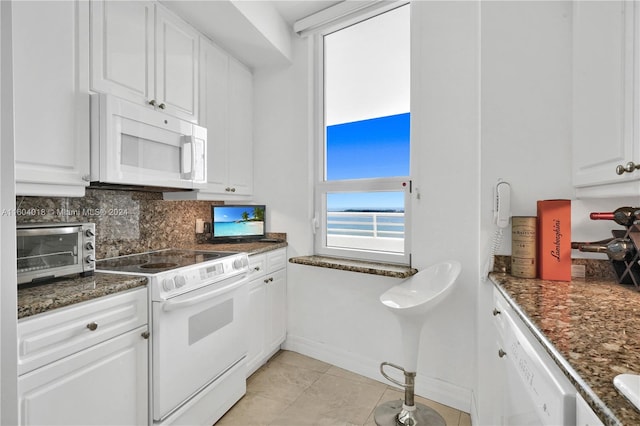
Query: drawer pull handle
x,y
92,326
496,312
501,353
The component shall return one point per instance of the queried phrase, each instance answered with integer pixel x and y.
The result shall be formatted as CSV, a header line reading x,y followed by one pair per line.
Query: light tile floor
x,y
292,389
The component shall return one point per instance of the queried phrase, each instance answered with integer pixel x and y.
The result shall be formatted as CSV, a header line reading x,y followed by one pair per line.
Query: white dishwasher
x,y
536,392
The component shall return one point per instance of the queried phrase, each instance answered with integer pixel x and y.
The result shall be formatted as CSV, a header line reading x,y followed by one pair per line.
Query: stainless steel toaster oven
x,y
51,250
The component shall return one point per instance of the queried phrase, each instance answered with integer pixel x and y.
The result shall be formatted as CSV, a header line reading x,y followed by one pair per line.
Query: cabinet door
x,y
584,414
122,61
257,321
105,384
240,161
214,90
603,91
51,100
176,66
277,305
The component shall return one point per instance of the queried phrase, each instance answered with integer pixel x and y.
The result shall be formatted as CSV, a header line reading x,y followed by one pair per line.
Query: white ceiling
x,y
224,23
292,10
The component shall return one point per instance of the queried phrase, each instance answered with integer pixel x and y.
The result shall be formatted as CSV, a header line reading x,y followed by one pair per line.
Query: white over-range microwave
x,y
135,145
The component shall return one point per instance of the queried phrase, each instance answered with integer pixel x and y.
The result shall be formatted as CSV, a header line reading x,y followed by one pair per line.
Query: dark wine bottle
x,y
616,249
575,245
624,216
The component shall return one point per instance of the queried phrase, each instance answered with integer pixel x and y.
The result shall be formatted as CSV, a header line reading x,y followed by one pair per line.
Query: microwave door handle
x,y
179,303
188,158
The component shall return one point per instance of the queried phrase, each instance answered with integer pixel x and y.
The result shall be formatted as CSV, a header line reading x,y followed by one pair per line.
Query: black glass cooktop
x,y
158,261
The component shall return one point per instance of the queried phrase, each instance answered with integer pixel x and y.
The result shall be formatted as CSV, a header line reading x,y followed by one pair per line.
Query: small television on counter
x,y
237,223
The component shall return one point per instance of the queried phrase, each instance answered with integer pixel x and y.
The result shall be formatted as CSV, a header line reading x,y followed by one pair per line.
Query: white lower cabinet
x,y
585,415
99,373
267,306
547,400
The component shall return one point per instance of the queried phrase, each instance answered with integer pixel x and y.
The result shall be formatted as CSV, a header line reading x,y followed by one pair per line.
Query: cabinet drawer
x,y
48,337
257,266
276,259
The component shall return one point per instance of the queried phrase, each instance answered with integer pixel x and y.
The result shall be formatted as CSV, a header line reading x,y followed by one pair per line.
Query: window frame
x,y
322,187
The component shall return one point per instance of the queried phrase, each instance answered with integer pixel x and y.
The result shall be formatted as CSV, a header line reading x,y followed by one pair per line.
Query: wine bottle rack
x,y
628,271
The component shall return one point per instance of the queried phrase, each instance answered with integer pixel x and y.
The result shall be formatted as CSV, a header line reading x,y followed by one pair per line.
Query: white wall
x,y
526,140
8,308
336,316
490,99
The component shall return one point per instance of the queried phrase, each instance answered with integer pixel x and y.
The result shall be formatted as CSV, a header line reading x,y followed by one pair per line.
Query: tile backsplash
x,y
126,221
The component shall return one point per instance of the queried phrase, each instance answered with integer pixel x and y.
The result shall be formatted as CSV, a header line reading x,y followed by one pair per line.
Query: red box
x,y
554,240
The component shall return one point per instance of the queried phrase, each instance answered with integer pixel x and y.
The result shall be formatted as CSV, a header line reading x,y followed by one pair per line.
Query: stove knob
x,y
89,233
89,245
90,259
168,284
180,281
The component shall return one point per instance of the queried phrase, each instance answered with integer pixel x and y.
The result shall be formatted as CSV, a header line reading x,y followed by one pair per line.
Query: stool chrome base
x,y
407,412
388,414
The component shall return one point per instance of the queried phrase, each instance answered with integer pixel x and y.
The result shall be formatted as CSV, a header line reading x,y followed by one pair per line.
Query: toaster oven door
x,y
44,253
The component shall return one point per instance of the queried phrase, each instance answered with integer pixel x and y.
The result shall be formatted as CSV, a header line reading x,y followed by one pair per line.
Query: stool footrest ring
x,y
391,379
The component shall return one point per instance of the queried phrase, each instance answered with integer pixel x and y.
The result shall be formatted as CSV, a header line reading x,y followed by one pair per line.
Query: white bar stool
x,y
411,301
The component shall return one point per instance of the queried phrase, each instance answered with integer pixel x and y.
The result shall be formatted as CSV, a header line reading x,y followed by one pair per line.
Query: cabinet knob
x,y
92,326
152,102
501,353
257,268
629,167
233,190
162,106
496,312
266,281
145,334
228,189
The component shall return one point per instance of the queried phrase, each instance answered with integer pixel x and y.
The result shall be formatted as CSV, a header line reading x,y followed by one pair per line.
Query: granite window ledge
x,y
360,266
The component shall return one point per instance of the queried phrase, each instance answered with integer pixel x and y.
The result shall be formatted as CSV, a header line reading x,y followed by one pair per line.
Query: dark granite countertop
x,y
38,298
590,327
250,248
374,268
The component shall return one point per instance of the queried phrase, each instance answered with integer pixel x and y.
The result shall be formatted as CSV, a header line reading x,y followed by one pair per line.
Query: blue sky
x,y
230,214
377,147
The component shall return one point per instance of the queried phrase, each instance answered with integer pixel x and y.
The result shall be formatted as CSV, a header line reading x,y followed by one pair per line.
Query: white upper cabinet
x,y
176,65
240,160
143,53
604,94
226,102
122,57
51,99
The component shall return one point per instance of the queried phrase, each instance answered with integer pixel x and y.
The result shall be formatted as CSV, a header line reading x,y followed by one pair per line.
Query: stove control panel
x,y
182,280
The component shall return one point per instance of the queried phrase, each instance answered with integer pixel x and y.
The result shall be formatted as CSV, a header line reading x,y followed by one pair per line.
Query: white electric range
x,y
198,320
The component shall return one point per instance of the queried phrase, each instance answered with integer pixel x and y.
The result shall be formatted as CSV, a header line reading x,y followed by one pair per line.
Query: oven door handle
x,y
174,305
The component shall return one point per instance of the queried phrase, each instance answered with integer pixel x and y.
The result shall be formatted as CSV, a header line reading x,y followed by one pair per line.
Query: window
x,y
363,185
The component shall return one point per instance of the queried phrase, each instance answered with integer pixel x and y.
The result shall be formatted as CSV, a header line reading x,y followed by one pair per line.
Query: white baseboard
x,y
427,387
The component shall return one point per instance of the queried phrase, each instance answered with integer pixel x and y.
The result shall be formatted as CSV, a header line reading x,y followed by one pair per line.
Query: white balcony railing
x,y
380,231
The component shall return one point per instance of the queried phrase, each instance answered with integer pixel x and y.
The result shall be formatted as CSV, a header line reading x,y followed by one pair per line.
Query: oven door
x,y
197,336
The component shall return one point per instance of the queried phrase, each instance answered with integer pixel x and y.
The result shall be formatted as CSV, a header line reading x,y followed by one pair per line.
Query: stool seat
x,y
416,295
410,302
